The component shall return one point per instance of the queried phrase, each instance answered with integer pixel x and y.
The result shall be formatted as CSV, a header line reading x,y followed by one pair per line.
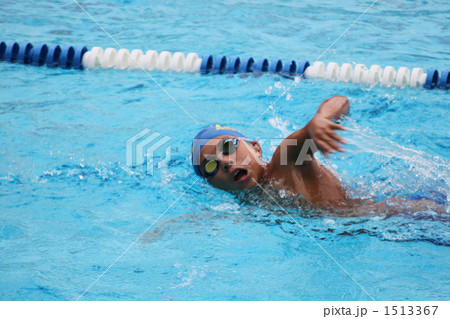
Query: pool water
x,y
70,206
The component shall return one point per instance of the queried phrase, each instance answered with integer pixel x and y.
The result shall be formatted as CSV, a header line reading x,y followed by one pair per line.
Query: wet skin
x,y
244,168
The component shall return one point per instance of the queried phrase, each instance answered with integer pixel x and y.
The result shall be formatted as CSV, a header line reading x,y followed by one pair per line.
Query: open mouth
x,y
240,175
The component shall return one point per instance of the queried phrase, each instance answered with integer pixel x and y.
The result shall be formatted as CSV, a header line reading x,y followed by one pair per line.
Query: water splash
x,y
396,170
281,125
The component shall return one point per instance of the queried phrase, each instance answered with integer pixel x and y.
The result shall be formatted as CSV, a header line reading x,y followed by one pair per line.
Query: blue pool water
x,y
70,206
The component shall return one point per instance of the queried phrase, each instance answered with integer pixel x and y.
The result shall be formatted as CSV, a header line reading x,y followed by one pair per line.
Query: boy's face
x,y
237,170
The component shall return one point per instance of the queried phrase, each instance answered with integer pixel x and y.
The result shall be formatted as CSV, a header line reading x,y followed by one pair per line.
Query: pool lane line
x,y
315,241
134,242
80,58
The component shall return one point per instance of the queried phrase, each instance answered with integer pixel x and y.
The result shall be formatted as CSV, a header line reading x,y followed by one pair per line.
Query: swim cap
x,y
204,136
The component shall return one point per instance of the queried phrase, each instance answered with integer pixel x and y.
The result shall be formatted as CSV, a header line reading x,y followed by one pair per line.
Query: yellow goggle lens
x,y
210,166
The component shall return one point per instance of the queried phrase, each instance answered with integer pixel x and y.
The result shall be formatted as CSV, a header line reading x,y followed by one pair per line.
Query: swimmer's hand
x,y
321,130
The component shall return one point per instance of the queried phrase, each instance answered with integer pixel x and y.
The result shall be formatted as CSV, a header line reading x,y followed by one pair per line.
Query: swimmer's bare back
x,y
293,167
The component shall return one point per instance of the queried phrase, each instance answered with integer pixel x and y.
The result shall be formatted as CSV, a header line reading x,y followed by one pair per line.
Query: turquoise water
x,y
70,206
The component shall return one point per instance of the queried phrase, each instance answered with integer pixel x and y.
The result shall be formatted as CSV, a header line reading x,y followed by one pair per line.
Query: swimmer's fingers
x,y
328,146
337,138
332,136
321,144
324,146
336,126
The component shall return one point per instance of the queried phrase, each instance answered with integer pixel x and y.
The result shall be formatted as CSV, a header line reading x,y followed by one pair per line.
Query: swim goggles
x,y
229,146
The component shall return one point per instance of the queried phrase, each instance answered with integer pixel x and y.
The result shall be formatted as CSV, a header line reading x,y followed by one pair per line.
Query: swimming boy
x,y
229,161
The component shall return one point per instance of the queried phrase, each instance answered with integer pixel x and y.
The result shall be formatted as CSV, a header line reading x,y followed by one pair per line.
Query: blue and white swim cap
x,y
206,134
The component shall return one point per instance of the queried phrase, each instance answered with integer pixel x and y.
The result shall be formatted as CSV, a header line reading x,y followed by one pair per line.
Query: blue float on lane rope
x,y
234,64
220,63
25,52
301,68
262,65
290,67
12,52
276,66
53,55
432,79
78,58
66,58
2,50
246,64
39,54
207,64
444,80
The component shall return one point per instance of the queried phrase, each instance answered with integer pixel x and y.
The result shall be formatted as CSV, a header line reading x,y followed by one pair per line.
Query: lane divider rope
x,y
110,58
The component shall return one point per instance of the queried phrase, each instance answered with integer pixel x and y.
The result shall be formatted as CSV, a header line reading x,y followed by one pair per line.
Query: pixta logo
x,y
142,148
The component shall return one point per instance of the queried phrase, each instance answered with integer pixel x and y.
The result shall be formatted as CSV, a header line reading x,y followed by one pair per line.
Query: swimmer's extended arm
x,y
320,130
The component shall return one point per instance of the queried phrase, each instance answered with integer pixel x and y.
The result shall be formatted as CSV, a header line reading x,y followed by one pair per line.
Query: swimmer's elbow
x,y
344,102
334,107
